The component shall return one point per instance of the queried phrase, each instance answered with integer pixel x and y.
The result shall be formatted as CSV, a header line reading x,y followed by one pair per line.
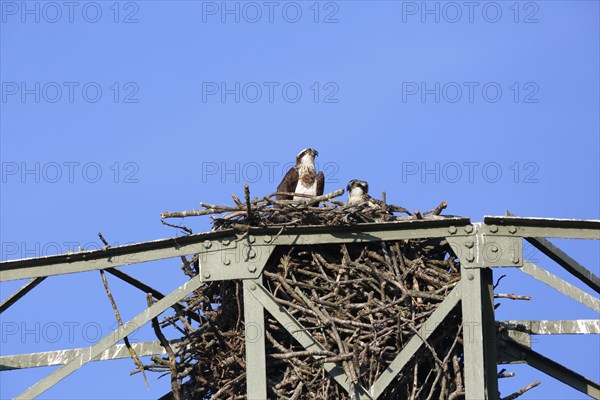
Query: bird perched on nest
x,y
302,178
358,193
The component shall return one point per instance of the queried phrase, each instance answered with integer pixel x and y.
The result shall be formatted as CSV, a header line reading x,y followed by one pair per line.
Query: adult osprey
x,y
358,193
302,178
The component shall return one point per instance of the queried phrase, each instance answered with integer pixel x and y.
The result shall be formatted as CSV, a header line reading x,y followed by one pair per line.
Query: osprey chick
x,y
358,192
302,178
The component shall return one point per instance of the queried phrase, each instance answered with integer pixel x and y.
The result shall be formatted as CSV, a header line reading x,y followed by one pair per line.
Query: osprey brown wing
x,y
288,184
320,183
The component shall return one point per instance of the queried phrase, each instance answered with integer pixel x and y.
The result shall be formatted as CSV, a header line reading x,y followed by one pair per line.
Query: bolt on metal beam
x,y
546,227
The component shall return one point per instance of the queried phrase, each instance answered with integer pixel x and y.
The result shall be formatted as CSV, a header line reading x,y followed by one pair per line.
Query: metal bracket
x,y
481,250
229,258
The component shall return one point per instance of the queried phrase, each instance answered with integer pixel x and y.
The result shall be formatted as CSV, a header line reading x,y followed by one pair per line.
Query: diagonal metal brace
x,y
20,293
568,263
562,286
416,342
112,338
517,352
564,260
291,324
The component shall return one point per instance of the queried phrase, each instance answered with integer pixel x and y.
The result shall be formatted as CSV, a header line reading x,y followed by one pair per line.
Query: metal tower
x,y
496,242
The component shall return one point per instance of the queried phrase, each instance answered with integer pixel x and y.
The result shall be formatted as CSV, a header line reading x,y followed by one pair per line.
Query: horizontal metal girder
x,y
61,357
112,257
95,259
397,230
545,227
555,327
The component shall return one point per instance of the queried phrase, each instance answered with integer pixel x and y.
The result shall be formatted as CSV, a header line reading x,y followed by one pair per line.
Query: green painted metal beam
x,y
254,332
489,334
93,260
409,229
198,243
545,227
474,366
561,285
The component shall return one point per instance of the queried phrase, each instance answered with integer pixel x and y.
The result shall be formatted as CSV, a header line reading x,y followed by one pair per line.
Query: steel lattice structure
x,y
495,242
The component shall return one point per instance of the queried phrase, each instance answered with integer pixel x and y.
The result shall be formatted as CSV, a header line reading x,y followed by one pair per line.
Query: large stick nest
x,y
361,302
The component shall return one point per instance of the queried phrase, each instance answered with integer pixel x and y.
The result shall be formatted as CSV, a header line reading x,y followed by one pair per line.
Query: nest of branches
x,y
320,210
361,302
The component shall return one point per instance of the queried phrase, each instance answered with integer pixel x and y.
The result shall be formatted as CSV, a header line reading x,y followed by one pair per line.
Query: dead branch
x,y
132,352
511,296
520,392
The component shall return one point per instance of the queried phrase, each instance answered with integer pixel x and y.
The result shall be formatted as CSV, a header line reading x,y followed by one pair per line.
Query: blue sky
x,y
112,112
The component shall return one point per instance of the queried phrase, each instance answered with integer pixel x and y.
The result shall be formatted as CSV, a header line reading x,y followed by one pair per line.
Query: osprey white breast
x,y
302,178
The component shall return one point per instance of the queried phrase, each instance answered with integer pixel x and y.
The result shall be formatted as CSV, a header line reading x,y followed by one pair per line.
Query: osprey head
x,y
356,190
310,153
355,185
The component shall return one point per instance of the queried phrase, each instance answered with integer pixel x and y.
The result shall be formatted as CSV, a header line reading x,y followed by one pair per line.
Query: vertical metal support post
x,y
473,333
489,334
256,367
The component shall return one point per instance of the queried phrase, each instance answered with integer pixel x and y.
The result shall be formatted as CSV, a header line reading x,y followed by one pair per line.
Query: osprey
x,y
302,178
358,192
